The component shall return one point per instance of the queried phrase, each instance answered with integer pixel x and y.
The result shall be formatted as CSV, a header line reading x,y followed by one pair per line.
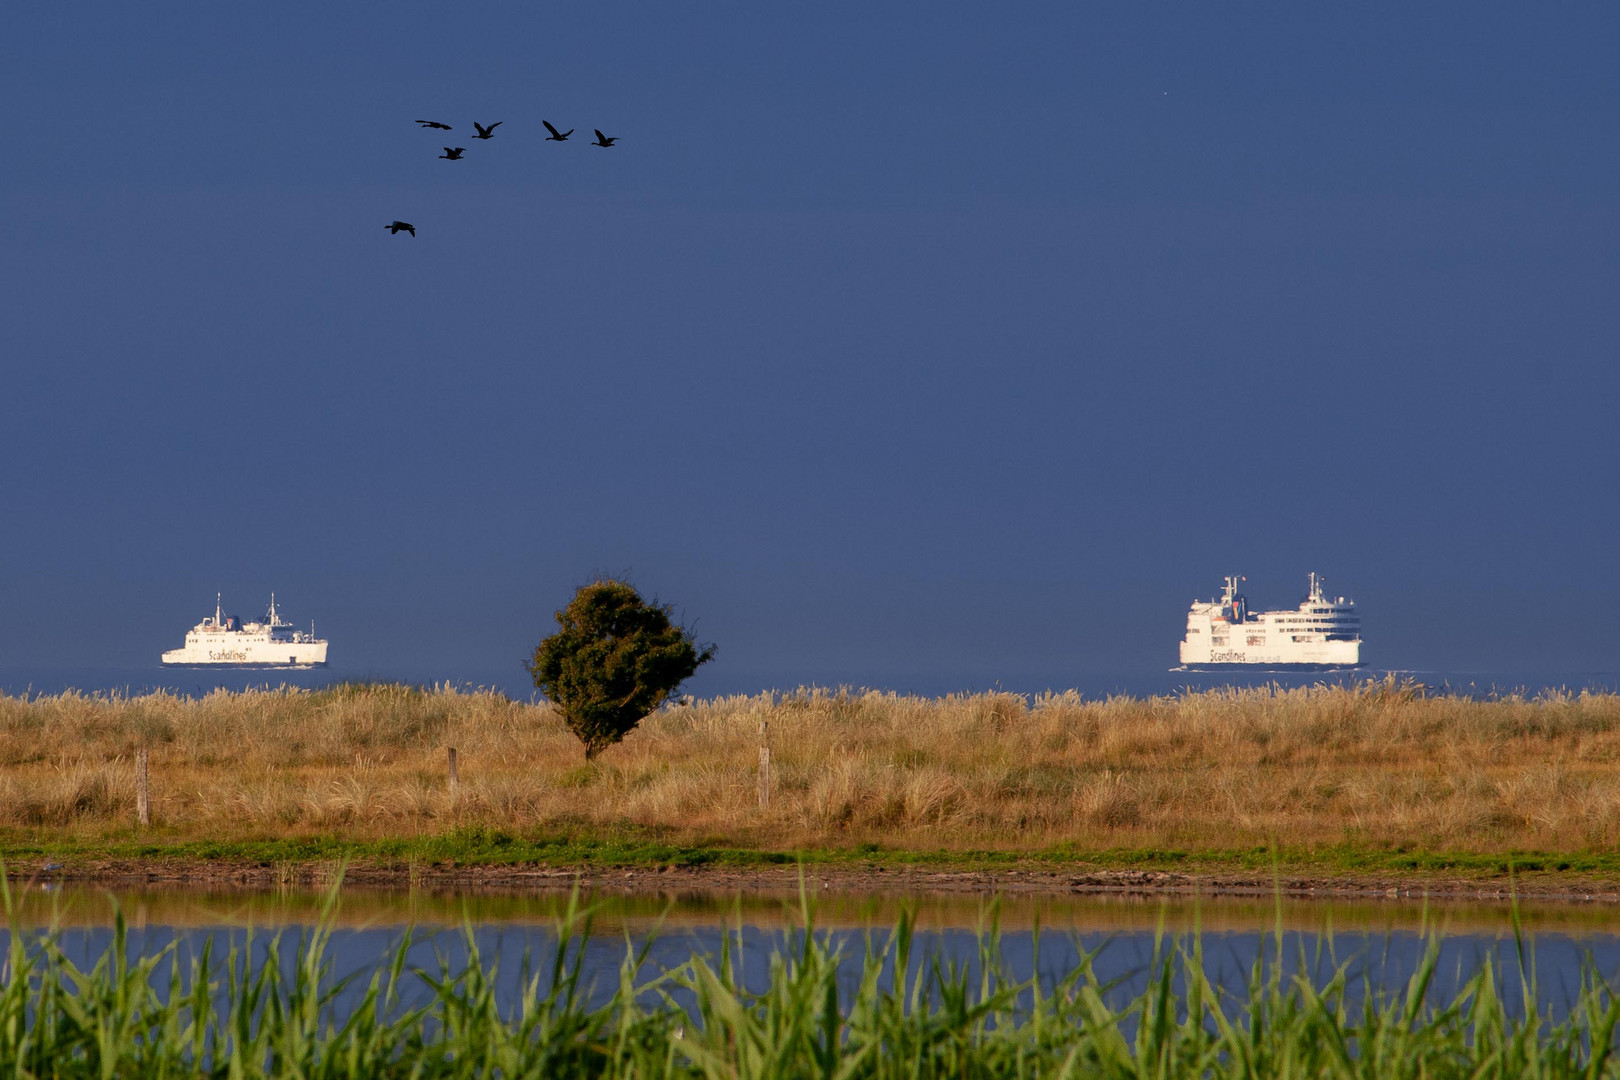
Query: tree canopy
x,y
614,659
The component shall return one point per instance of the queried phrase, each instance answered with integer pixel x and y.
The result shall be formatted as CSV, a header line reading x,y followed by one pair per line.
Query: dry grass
x,y
1377,765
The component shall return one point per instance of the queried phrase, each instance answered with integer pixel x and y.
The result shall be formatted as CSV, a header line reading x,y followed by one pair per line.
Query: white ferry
x,y
225,641
1321,634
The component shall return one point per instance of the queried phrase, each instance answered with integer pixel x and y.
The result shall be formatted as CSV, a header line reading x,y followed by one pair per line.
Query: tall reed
x,y
248,1014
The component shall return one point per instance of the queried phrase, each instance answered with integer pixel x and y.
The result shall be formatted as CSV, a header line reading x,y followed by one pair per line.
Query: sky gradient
x,y
892,344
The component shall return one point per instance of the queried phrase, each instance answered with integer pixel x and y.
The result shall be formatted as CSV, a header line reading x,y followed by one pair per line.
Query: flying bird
x,y
394,228
557,136
486,132
434,124
452,153
603,140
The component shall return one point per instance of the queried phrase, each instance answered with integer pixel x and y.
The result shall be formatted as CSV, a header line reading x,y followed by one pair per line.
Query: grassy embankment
x,y
269,1012
1376,779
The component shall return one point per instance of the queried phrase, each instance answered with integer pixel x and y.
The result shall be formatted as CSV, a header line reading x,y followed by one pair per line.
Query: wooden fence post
x,y
143,802
764,768
455,781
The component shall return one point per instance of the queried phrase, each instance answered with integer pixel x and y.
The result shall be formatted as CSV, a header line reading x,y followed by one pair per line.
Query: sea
x,y
515,682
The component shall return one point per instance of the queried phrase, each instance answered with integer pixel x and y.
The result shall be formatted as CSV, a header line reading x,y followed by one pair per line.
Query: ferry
x,y
222,640
1321,634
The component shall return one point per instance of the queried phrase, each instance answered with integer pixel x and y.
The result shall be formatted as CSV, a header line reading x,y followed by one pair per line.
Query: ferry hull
x,y
248,654
262,664
1332,654
1269,667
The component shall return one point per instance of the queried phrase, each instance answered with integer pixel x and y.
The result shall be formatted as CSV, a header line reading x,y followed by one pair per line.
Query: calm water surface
x,y
1380,942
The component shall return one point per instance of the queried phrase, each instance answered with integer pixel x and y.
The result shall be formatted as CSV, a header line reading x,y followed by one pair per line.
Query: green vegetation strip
x,y
628,849
273,1012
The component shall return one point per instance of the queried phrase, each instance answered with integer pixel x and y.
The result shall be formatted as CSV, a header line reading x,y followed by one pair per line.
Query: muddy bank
x,y
873,879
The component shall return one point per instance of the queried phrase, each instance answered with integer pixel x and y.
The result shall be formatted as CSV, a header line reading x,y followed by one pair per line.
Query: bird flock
x,y
487,131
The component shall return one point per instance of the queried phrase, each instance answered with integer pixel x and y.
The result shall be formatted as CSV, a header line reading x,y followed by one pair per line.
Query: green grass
x,y
158,1015
630,848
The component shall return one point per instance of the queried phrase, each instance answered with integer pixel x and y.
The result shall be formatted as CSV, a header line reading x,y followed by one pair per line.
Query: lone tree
x,y
616,659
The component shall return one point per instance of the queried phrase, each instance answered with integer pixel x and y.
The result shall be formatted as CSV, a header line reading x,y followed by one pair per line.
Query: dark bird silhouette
x,y
603,140
434,124
452,153
394,227
556,136
486,132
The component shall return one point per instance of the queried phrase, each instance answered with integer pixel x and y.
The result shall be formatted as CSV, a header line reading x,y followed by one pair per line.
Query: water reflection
x,y
1378,944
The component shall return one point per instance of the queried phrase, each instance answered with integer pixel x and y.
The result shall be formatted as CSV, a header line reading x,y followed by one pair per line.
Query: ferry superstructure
x,y
1321,634
222,640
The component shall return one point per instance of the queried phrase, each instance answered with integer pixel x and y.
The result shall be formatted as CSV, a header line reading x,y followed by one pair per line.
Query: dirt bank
x,y
874,879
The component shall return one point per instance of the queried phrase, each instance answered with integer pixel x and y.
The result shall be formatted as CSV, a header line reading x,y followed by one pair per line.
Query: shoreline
x,y
1032,881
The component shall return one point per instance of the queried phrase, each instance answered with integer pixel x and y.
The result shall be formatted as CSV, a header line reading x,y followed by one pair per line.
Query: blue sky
x,y
892,343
